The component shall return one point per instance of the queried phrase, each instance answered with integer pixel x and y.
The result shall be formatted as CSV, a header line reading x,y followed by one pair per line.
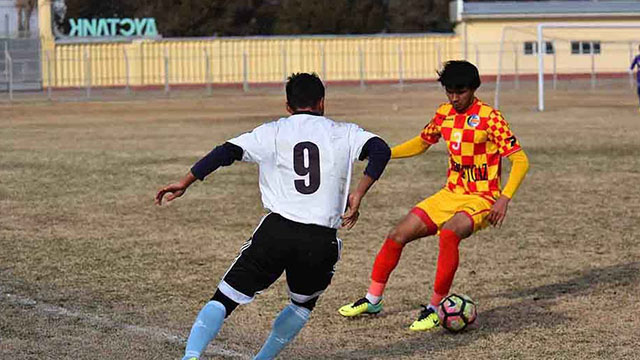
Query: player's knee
x,y
460,224
229,304
399,236
462,231
309,304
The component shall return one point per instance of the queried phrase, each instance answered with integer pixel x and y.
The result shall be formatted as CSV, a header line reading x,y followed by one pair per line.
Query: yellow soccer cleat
x,y
362,306
427,320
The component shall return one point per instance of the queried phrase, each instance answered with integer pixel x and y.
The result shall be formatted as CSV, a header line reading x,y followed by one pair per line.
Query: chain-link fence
x,y
20,65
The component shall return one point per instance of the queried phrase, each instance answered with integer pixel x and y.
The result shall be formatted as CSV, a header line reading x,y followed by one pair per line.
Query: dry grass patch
x,y
79,231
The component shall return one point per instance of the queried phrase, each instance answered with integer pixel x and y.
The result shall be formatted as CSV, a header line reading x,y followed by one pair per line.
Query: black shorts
x,y
308,254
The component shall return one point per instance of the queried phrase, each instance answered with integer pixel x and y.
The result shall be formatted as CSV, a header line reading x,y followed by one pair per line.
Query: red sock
x,y
376,289
448,258
386,261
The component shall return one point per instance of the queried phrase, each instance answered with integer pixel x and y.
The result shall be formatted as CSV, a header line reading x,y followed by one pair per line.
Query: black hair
x,y
459,74
304,90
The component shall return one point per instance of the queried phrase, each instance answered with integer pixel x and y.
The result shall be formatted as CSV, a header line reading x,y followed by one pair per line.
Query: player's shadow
x,y
581,283
510,318
532,309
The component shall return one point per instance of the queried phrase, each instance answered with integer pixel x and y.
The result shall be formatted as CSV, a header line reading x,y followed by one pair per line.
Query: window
x,y
528,47
531,47
548,47
585,47
575,47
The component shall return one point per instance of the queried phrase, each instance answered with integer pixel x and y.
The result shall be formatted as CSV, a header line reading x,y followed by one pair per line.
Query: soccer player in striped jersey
x,y
306,162
477,138
636,64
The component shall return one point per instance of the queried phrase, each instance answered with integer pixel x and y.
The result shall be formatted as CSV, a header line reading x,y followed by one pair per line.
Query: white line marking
x,y
153,332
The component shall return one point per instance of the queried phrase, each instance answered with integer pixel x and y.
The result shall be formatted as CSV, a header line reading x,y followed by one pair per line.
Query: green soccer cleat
x,y
362,306
427,320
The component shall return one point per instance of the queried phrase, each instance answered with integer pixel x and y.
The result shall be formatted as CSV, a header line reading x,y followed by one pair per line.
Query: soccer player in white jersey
x,y
305,165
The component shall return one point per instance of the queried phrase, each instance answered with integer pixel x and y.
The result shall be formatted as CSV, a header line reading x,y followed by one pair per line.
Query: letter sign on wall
x,y
113,27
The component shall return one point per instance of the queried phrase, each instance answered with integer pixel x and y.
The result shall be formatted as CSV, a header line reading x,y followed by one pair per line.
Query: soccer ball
x,y
456,312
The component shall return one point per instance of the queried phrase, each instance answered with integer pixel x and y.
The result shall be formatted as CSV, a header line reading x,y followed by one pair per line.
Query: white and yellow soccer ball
x,y
456,312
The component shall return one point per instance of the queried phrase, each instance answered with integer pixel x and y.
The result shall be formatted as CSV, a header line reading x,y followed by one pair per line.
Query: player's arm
x,y
222,155
413,147
378,153
519,168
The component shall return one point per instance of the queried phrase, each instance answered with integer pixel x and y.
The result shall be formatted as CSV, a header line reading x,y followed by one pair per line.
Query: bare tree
x,y
25,10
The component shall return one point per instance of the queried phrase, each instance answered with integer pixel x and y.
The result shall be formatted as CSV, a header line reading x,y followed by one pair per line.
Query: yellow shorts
x,y
441,206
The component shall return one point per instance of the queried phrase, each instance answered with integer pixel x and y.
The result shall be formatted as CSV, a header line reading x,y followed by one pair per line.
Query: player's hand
x,y
175,190
352,214
498,211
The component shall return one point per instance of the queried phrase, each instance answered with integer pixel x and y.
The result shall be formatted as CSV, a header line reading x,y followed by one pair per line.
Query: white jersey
x,y
305,165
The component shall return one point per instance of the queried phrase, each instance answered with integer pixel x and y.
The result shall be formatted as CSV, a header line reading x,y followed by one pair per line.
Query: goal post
x,y
540,32
496,99
537,32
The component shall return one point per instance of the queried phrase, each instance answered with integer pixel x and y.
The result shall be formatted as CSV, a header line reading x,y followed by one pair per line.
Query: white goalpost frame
x,y
541,52
499,72
541,28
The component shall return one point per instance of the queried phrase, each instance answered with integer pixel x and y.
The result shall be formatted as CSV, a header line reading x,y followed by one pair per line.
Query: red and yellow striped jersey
x,y
477,140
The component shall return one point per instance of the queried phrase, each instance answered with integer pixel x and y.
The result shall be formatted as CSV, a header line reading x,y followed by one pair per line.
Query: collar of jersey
x,y
473,104
306,113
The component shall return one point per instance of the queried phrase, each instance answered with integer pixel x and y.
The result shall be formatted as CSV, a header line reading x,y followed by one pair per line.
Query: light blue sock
x,y
205,328
285,327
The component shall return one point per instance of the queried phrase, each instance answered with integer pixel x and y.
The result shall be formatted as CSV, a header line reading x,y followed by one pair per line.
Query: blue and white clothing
x,y
636,63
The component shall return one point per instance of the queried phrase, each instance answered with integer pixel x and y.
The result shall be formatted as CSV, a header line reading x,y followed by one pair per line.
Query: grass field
x,y
91,269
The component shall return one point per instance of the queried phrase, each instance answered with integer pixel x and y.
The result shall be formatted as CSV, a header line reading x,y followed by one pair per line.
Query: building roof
x,y
555,9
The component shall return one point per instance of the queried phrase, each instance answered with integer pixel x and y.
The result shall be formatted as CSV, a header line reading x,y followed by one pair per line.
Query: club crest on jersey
x,y
473,120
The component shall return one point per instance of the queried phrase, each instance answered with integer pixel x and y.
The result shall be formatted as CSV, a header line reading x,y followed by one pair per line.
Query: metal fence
x,y
246,60
164,67
20,65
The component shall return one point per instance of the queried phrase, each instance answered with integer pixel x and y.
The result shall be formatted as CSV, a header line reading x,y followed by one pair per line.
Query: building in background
x,y
110,57
482,25
19,19
20,65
